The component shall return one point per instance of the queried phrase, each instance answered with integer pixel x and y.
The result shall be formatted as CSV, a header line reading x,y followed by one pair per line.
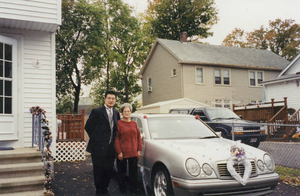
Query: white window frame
x,y
196,76
222,103
8,122
256,77
222,76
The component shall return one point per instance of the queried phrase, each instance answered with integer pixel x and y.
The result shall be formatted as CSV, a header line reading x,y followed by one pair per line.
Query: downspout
x,y
182,81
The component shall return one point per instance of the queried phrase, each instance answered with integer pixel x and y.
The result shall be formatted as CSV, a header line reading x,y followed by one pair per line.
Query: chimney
x,y
183,36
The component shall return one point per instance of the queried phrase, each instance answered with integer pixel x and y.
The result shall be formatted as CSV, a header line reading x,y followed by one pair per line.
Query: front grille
x,y
251,128
223,172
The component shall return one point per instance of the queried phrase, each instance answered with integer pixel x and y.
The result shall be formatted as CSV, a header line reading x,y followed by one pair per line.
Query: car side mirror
x,y
241,117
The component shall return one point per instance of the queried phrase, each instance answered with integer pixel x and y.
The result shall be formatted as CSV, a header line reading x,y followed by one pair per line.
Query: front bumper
x,y
259,185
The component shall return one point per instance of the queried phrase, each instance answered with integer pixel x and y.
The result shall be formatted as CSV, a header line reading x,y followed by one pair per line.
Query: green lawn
x,y
288,175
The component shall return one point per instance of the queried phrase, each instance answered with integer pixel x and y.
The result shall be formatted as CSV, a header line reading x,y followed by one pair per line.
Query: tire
x,y
162,183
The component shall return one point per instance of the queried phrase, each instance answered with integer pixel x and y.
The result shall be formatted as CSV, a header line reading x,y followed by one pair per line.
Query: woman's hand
x,y
139,154
120,156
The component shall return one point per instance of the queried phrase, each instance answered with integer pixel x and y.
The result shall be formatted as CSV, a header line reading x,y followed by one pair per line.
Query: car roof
x,y
155,115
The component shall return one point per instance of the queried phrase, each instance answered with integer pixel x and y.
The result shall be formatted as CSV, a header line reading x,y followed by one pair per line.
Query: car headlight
x,y
238,129
269,162
193,167
207,169
260,165
263,128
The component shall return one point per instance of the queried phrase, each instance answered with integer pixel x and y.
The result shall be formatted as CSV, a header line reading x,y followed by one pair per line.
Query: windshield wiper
x,y
232,118
217,118
207,137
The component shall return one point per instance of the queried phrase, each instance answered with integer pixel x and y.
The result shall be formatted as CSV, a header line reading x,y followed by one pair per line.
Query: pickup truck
x,y
224,120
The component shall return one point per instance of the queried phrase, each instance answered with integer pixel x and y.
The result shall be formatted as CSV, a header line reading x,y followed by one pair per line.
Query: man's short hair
x,y
110,93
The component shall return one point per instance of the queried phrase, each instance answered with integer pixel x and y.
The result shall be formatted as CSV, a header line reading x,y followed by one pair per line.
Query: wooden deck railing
x,y
260,112
279,118
71,128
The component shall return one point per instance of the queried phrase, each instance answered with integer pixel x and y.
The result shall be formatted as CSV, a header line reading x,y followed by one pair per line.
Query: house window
x,y
199,75
218,76
218,103
173,72
6,79
224,103
255,78
222,76
149,84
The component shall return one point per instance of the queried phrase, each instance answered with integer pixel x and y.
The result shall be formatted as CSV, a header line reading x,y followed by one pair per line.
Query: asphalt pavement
x,y
76,178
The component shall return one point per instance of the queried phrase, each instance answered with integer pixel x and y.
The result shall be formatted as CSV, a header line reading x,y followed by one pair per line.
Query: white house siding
x,y
286,89
41,11
36,86
294,68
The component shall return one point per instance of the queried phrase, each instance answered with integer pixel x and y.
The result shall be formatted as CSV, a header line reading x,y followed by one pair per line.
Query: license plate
x,y
253,140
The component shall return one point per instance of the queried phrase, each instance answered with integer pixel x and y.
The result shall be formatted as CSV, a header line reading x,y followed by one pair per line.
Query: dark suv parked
x,y
224,120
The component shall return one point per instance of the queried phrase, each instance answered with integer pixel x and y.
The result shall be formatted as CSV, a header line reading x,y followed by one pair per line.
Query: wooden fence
x,y
71,128
262,113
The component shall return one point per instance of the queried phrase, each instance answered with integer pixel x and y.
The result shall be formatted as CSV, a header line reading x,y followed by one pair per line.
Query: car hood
x,y
236,121
213,149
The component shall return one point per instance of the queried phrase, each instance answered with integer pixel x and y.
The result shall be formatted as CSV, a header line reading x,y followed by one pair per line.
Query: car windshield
x,y
221,113
178,128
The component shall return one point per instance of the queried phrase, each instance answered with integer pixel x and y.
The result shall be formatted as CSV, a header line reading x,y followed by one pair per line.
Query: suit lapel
x,y
105,113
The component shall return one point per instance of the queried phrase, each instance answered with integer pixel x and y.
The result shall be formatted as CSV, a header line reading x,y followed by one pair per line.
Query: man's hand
x,y
120,156
139,154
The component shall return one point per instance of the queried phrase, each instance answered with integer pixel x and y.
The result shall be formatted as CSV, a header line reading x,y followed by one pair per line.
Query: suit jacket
x,y
98,129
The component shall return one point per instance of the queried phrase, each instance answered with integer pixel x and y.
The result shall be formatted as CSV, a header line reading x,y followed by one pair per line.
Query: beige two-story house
x,y
215,75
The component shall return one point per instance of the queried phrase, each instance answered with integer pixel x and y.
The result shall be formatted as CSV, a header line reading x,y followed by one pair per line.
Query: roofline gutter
x,y
231,65
281,80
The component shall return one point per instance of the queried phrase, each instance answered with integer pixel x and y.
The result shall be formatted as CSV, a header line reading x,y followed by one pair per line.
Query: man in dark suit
x,y
101,128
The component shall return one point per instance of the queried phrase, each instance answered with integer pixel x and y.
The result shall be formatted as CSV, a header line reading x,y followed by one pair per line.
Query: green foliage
x,y
126,47
282,38
77,39
168,18
64,105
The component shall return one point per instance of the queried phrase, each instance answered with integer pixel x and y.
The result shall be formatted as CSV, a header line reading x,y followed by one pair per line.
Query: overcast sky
x,y
244,14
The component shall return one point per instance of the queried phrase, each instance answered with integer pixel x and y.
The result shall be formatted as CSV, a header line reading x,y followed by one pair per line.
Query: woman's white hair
x,y
126,105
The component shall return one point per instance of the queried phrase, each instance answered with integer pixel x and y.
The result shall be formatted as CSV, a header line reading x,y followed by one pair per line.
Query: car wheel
x,y
162,182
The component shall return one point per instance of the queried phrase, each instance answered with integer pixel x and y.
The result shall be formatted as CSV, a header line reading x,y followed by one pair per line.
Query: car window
x,y
225,113
139,123
179,111
181,128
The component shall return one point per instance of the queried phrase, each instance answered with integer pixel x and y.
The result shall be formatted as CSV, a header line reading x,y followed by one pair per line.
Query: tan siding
x,y
239,89
165,87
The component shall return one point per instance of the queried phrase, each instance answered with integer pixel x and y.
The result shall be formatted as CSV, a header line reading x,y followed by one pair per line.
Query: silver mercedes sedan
x,y
183,156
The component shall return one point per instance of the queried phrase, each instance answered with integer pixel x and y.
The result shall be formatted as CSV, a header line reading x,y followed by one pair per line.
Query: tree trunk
x,y
76,100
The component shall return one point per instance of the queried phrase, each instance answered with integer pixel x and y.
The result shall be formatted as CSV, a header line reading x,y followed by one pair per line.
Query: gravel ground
x,y
76,178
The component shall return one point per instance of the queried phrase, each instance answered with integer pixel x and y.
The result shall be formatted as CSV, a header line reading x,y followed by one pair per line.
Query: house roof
x,y
283,78
198,53
289,65
162,103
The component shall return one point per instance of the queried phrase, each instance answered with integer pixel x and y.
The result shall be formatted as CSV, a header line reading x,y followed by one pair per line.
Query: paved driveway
x,y
76,178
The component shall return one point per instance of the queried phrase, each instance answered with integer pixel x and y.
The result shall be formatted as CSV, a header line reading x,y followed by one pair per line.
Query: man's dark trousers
x,y
103,168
